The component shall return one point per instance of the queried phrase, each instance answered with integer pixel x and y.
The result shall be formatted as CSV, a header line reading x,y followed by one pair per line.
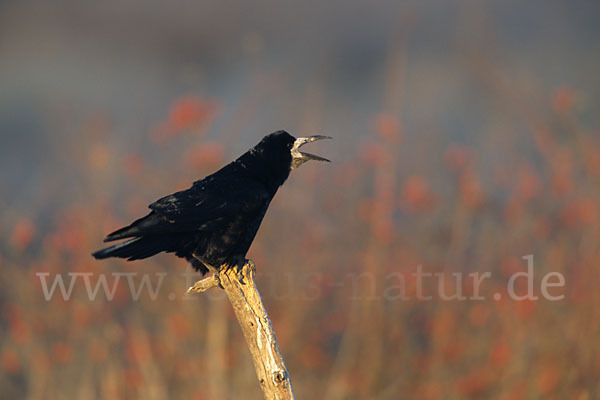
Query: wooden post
x,y
255,323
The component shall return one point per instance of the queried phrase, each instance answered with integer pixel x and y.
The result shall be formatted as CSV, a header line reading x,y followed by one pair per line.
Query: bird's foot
x,y
243,268
239,269
250,264
240,275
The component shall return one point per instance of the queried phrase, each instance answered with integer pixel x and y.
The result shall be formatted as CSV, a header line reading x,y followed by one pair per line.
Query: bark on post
x,y
255,323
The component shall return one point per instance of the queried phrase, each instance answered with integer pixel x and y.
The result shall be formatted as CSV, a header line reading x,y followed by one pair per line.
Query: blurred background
x,y
467,136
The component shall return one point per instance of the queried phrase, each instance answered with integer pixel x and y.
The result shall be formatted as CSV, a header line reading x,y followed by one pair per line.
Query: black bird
x,y
214,222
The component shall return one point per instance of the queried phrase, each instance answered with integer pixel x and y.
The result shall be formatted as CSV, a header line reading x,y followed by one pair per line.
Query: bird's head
x,y
277,154
287,146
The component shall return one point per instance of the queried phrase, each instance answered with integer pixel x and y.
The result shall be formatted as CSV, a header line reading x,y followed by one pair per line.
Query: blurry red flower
x,y
563,99
457,156
189,111
99,156
416,195
444,325
82,316
11,312
587,210
22,234
561,183
205,156
312,356
471,192
569,215
479,314
10,361
387,127
580,211
384,230
500,353
592,156
452,351
132,377
529,183
136,349
185,113
374,154
62,352
200,394
429,391
68,236
548,379
415,189
179,325
19,332
524,308
475,382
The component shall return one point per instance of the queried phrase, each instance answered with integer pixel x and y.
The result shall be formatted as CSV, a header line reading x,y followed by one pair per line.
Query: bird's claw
x,y
239,269
240,274
251,265
243,268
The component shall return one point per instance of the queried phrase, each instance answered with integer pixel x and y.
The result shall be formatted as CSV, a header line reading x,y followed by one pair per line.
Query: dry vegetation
x,y
340,341
399,194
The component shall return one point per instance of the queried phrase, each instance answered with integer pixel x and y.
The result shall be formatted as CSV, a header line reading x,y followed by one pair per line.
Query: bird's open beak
x,y
299,157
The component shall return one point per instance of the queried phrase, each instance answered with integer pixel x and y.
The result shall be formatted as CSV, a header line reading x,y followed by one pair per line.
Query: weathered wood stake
x,y
251,314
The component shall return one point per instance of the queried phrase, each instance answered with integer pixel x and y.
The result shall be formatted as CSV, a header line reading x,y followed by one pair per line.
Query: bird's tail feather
x,y
128,231
148,225
134,249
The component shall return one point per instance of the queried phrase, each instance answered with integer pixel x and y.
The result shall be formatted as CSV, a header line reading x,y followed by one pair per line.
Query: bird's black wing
x,y
210,204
